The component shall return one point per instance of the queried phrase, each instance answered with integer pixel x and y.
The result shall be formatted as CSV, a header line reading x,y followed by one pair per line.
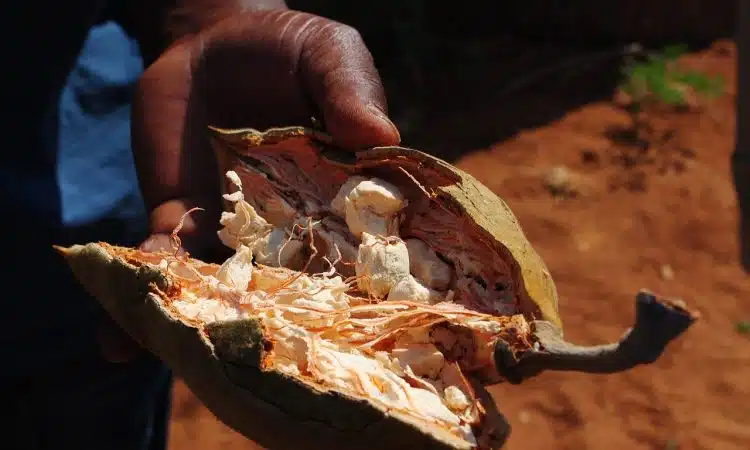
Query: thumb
x,y
339,73
160,242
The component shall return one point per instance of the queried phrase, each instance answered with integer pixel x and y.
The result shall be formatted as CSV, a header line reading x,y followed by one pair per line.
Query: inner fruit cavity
x,y
378,321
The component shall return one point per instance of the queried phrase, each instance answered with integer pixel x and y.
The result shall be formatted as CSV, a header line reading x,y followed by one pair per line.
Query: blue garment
x,y
74,183
66,177
95,173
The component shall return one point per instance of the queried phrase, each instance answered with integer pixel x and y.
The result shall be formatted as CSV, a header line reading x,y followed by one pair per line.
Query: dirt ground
x,y
661,216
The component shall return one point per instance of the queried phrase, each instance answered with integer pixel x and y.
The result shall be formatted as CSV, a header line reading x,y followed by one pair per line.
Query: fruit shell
x,y
223,366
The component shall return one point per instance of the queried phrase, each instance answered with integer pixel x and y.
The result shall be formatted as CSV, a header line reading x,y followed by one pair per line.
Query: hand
x,y
257,69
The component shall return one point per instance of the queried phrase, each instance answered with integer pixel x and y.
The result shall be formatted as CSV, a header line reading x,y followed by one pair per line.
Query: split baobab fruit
x,y
370,299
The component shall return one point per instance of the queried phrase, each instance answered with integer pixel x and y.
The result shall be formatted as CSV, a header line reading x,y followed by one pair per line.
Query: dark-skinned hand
x,y
257,69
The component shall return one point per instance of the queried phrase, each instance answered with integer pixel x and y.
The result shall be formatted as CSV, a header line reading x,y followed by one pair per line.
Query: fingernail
x,y
380,114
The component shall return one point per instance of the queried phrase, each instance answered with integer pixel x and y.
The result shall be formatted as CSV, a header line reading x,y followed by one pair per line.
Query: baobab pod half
x,y
370,299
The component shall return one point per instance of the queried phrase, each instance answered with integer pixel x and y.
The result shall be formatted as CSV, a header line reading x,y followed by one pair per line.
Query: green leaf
x,y
743,327
657,76
656,64
672,97
663,90
672,52
701,83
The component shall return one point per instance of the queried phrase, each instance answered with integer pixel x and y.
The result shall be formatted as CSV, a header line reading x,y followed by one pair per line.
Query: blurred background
x,y
608,127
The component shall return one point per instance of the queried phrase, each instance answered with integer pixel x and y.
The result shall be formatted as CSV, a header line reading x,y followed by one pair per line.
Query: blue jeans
x,y
89,404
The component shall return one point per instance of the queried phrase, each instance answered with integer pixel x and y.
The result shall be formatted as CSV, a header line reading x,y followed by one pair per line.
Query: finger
x,y
339,72
170,145
196,230
161,243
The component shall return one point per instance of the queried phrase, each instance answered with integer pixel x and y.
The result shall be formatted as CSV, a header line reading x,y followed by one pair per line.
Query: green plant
x,y
743,327
657,78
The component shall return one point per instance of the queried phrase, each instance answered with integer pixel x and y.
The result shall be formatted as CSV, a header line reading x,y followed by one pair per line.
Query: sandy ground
x,y
661,216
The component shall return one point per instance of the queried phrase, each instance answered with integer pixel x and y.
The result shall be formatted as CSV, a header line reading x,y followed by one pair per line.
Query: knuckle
x,y
347,34
337,33
331,44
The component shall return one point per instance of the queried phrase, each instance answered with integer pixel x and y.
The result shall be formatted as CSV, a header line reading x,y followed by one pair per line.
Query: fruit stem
x,y
658,321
